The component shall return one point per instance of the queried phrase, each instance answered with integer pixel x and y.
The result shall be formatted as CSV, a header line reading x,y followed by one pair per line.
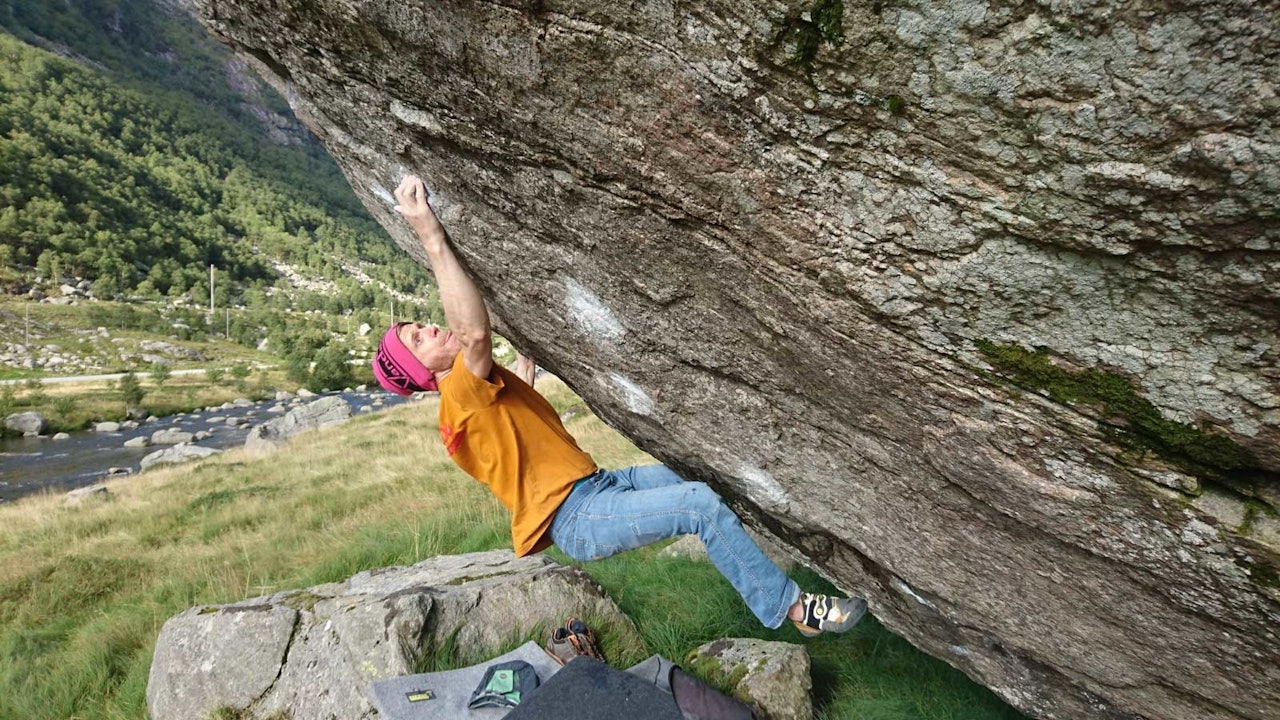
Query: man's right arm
x,y
463,304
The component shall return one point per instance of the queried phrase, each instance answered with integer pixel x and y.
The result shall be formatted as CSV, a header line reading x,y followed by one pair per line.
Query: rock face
x,y
964,301
269,655
320,413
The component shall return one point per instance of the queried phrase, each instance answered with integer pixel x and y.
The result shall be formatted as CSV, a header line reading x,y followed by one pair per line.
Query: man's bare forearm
x,y
463,304
464,308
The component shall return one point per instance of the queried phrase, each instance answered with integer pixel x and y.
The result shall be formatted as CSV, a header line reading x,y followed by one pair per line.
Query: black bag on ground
x,y
587,689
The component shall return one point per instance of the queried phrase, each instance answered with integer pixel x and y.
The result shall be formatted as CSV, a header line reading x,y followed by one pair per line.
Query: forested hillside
x,y
145,155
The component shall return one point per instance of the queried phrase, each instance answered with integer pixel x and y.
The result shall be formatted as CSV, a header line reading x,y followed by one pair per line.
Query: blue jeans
x,y
616,510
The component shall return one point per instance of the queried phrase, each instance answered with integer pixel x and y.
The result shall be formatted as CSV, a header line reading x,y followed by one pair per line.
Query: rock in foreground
x,y
311,653
772,677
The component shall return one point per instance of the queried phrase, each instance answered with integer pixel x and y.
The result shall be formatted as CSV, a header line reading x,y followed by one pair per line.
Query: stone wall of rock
x,y
972,303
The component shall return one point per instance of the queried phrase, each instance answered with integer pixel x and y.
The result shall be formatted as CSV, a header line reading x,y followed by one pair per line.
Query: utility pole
x,y
27,307
227,334
211,290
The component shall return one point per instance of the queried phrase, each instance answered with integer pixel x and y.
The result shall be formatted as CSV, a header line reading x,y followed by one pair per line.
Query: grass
x,y
73,406
74,330
84,590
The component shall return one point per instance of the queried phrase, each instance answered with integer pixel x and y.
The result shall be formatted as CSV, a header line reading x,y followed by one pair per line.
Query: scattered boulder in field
x,y
84,494
26,422
164,348
177,454
321,413
137,414
772,677
171,436
269,655
364,329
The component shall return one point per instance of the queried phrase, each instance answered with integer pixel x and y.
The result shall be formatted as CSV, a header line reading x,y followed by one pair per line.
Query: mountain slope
x,y
148,153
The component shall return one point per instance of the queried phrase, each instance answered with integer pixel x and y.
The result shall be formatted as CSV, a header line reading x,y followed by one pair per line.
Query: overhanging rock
x,y
974,304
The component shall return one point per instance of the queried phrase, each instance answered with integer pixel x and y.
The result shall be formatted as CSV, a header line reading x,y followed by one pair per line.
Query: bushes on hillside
x,y
325,369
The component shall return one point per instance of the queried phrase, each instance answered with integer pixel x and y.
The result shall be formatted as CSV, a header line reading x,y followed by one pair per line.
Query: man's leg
x,y
616,518
645,477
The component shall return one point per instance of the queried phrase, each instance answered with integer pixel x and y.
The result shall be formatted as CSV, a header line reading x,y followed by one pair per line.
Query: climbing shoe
x,y
823,613
573,639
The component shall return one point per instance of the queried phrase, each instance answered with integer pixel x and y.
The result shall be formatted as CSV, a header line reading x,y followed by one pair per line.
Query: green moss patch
x,y
825,24
1129,417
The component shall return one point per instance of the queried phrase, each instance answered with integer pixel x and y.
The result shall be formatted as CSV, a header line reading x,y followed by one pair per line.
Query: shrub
x,y
35,391
64,405
160,373
214,374
332,370
240,372
131,390
297,369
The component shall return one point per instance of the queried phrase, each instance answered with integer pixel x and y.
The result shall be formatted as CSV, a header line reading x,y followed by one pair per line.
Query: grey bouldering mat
x,y
441,695
587,689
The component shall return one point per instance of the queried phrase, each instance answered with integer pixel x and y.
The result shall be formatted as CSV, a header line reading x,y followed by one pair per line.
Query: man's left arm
x,y
526,369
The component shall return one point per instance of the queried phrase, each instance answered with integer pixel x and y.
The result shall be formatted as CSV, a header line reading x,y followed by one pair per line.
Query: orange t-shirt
x,y
503,433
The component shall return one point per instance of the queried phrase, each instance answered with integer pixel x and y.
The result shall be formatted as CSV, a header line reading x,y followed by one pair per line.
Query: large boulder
x,y
966,302
26,423
320,413
176,454
310,654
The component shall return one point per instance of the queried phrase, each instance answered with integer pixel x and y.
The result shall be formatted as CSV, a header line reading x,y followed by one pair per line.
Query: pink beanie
x,y
397,370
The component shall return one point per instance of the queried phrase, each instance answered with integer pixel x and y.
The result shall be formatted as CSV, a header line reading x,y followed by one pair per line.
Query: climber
x,y
491,418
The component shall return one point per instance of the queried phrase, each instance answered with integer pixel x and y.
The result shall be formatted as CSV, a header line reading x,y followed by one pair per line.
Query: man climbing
x,y
502,432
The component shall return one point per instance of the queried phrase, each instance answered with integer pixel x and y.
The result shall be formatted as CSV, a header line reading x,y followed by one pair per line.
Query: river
x,y
32,465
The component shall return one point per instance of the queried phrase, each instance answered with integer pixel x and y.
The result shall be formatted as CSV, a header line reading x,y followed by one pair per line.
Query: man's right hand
x,y
412,199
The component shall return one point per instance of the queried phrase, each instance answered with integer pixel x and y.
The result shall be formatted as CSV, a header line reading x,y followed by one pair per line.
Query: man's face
x,y
433,347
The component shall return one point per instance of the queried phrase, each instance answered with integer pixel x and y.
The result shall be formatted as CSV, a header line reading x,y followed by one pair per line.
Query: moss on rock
x,y
1129,417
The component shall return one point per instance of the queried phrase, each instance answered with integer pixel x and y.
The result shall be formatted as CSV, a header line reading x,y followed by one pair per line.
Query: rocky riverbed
x,y
30,465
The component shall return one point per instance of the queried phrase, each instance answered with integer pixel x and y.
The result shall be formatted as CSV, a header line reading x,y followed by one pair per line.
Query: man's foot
x,y
823,613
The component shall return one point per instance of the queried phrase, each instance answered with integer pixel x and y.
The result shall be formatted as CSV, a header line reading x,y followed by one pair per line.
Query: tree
x,y
131,390
160,373
332,371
